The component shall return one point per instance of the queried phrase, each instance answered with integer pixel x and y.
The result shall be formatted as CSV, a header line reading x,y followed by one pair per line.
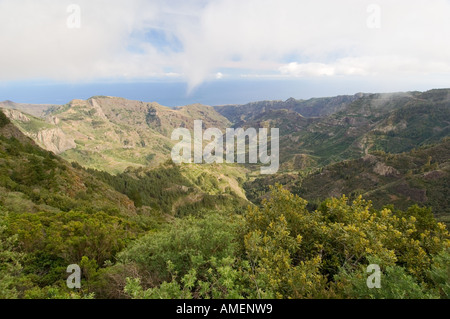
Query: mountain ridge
x,y
114,133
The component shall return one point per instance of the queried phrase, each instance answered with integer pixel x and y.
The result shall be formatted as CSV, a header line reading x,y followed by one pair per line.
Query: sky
x,y
216,52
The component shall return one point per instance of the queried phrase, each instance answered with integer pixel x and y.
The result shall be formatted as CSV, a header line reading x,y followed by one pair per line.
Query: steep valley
x,y
339,134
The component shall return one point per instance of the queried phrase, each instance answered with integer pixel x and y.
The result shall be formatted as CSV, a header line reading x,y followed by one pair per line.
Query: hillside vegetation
x,y
352,127
364,180
32,180
421,176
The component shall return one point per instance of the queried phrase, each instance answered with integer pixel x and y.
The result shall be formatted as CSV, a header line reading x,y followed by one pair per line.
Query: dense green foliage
x,y
10,262
41,246
154,188
279,250
3,120
167,190
282,250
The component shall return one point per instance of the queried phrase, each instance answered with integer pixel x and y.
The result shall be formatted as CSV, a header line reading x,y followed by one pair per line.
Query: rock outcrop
x,y
54,140
16,115
384,170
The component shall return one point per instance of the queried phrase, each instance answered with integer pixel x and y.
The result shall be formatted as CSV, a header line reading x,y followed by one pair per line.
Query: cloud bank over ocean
x,y
198,41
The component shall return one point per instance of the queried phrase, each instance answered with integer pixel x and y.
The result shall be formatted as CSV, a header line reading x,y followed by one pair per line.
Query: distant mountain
x,y
351,127
112,134
317,107
38,110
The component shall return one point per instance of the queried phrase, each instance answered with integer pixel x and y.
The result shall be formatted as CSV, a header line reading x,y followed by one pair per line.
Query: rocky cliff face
x,y
384,170
54,140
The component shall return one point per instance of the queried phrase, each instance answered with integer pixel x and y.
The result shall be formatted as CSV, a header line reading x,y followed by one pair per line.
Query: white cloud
x,y
308,69
367,66
291,37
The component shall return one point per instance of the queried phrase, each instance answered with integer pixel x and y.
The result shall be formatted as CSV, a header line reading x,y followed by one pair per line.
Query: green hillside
x,y
419,177
180,191
53,213
392,123
32,179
